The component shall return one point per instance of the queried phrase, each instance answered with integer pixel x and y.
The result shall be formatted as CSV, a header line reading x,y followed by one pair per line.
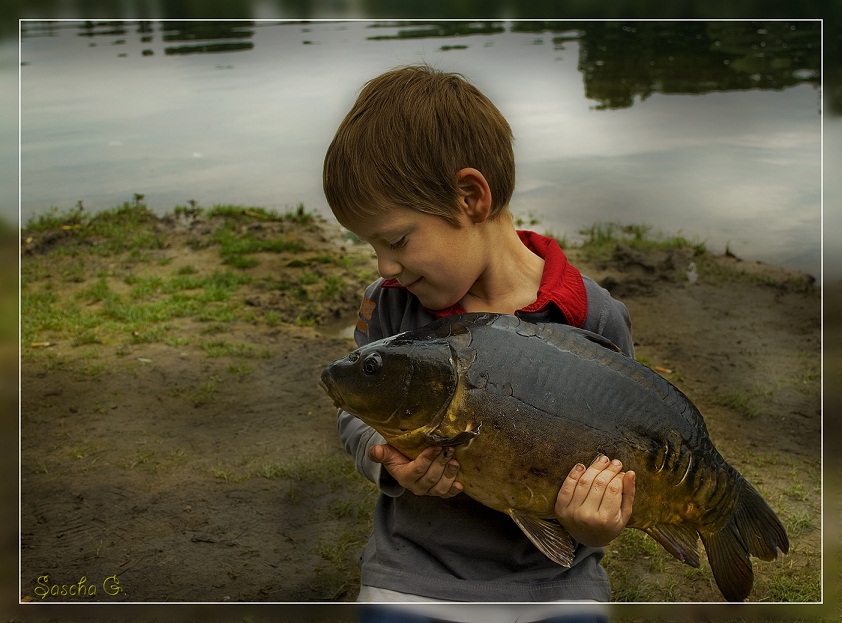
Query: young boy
x,y
422,169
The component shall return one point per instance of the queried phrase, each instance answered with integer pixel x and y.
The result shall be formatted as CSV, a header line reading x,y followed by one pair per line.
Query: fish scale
x,y
522,403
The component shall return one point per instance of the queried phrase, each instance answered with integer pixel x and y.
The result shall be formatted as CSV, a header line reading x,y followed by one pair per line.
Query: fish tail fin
x,y
729,562
753,529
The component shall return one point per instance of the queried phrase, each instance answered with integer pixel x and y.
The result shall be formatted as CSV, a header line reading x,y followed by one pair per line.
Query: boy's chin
x,y
434,303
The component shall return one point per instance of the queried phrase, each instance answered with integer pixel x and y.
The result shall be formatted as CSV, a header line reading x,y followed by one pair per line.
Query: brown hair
x,y
407,135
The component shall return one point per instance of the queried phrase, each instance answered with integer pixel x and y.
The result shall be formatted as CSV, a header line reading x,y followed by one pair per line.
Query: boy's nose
x,y
387,267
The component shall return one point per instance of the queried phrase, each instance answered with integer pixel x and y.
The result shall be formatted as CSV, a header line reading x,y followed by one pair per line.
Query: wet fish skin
x,y
522,403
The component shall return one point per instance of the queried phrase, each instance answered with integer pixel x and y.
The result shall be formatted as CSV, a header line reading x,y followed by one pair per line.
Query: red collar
x,y
561,283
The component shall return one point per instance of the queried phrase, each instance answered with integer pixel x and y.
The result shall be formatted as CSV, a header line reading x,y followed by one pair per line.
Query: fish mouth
x,y
330,388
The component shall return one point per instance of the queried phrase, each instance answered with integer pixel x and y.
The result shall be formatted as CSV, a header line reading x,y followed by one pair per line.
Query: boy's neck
x,y
512,274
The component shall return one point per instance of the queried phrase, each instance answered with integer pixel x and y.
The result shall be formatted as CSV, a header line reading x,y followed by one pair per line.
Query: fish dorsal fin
x,y
679,540
547,535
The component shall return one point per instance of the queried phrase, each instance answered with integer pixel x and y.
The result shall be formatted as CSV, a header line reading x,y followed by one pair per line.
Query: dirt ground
x,y
160,474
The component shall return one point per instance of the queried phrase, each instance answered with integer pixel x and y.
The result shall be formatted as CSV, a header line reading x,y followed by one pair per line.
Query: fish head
x,y
395,385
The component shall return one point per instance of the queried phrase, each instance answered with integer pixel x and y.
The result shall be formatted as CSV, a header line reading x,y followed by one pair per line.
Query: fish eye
x,y
372,363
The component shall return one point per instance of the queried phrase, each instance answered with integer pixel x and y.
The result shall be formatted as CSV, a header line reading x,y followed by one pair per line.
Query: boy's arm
x,y
358,437
608,317
432,472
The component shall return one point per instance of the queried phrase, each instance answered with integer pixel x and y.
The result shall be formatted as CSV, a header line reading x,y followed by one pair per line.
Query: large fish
x,y
522,403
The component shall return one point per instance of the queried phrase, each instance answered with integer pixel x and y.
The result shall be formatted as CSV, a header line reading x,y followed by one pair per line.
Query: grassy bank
x,y
120,277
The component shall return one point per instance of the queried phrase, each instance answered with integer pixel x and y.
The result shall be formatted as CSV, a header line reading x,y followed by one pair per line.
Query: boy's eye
x,y
398,244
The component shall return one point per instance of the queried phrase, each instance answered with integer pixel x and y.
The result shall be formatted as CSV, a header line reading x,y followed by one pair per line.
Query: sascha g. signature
x,y
83,588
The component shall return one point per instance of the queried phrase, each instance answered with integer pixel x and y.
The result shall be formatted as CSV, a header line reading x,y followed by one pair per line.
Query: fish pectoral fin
x,y
457,440
680,540
547,535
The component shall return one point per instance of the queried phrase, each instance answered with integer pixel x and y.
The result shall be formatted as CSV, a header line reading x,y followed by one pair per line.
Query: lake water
x,y
711,130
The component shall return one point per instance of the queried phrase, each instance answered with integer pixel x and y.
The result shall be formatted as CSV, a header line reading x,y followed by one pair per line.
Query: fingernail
x,y
579,468
616,463
448,452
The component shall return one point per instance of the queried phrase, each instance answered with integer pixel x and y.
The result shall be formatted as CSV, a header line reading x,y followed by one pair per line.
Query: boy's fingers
x,y
436,471
446,486
424,461
568,487
629,482
387,455
376,454
433,472
591,485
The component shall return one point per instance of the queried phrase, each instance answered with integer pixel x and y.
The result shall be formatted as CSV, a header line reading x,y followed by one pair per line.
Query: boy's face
x,y
433,259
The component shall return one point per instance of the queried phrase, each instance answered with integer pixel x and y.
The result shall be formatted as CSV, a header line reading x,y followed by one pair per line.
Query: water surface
x,y
712,130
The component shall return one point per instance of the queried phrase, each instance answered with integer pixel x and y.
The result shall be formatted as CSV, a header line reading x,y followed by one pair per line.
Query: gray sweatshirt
x,y
456,548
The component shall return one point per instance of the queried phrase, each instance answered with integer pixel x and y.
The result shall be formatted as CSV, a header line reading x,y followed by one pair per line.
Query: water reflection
x,y
425,30
620,62
198,37
695,58
102,29
205,37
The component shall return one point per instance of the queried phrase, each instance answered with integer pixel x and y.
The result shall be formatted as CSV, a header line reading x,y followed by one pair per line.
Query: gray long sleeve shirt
x,y
457,549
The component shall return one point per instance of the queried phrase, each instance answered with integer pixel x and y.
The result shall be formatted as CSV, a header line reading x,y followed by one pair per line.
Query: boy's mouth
x,y
409,285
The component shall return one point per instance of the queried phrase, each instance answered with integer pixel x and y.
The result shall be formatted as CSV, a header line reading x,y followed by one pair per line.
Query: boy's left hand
x,y
595,503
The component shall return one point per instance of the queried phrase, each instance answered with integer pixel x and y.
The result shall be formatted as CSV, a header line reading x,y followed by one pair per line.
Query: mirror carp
x,y
522,403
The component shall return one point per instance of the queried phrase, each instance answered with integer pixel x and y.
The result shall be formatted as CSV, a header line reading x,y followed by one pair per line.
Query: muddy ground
x,y
155,472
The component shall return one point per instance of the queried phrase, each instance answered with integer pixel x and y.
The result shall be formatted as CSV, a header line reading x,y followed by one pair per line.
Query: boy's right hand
x,y
432,473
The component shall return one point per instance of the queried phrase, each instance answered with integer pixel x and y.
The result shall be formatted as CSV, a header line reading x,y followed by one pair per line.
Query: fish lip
x,y
331,390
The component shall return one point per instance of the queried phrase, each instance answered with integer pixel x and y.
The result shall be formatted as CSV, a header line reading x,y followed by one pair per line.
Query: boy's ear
x,y
474,194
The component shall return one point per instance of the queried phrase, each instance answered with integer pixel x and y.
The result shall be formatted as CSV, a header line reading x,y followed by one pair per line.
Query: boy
x,y
422,169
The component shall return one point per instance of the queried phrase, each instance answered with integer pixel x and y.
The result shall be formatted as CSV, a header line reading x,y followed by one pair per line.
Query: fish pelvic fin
x,y
547,535
680,540
753,529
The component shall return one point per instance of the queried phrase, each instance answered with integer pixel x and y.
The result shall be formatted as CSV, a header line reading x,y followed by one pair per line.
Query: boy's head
x,y
408,134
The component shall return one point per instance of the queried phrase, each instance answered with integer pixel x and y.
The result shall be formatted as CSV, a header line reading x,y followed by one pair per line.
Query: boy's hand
x,y
432,473
595,503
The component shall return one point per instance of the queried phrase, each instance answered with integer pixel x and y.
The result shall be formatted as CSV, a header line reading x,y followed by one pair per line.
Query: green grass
x,y
299,215
225,349
237,247
601,240
53,220
128,227
336,472
749,403
118,278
